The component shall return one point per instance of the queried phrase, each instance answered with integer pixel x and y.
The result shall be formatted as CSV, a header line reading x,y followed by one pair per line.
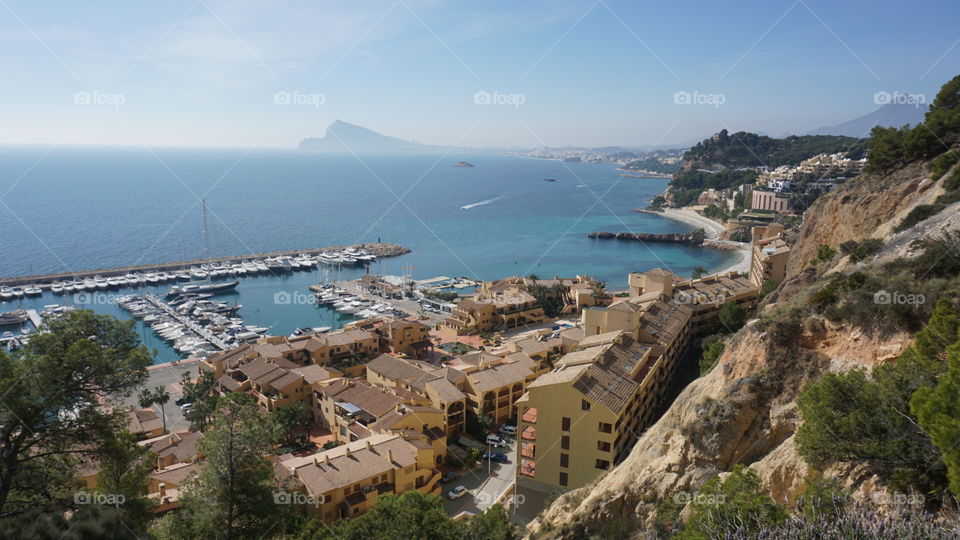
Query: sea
x,y
73,208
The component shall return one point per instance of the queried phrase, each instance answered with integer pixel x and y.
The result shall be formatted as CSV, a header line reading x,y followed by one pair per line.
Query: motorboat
x,y
212,288
32,290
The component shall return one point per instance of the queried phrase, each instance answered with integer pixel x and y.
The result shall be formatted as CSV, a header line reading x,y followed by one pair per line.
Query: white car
x,y
456,493
507,429
496,440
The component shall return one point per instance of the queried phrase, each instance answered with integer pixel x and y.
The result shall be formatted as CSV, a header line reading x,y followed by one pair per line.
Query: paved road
x,y
484,490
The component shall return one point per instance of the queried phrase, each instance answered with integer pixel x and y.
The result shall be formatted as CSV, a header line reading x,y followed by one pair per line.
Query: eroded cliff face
x,y
744,410
869,206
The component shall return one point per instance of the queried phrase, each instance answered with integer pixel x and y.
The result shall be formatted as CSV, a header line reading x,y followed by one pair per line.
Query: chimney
x,y
163,489
327,458
390,455
349,453
369,446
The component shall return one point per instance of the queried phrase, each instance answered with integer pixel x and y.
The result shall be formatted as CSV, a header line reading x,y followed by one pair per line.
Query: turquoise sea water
x,y
78,208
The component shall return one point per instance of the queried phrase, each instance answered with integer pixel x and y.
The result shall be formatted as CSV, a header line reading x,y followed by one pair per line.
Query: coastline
x,y
713,229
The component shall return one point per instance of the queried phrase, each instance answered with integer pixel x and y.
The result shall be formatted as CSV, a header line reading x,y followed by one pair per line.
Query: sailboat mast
x,y
206,236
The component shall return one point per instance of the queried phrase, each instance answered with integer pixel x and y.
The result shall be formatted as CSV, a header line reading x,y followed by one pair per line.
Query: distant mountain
x,y
889,115
344,137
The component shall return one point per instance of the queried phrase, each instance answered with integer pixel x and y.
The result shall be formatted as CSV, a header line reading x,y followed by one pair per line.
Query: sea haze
x,y
79,208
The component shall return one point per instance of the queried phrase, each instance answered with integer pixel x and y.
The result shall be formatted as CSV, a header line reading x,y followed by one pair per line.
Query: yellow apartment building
x,y
441,385
346,481
511,308
769,255
583,417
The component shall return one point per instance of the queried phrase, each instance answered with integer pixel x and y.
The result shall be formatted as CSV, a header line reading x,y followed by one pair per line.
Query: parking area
x,y
168,376
486,484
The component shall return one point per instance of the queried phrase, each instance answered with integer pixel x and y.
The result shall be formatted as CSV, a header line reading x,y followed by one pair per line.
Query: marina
x,y
14,288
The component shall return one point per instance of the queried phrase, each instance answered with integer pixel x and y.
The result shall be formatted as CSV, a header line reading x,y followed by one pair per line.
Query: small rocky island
x,y
462,164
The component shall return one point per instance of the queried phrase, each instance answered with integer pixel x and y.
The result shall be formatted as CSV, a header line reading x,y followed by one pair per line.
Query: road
x,y
484,490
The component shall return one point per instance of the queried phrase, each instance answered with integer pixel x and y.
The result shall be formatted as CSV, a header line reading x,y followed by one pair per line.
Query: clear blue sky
x,y
205,72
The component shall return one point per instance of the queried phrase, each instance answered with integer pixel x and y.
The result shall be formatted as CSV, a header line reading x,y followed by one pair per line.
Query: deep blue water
x,y
78,208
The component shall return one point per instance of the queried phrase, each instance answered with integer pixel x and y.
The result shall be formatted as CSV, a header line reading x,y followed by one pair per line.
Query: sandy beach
x,y
713,230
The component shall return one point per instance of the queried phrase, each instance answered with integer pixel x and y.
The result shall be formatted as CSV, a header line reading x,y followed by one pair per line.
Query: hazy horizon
x,y
596,73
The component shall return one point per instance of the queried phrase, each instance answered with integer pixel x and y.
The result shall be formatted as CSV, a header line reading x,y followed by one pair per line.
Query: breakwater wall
x,y
696,237
44,280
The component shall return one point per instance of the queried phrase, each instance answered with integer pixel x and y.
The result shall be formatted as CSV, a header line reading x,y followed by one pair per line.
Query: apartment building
x,y
177,447
274,382
494,390
144,423
409,338
583,417
348,480
770,201
441,385
346,406
489,312
769,254
706,295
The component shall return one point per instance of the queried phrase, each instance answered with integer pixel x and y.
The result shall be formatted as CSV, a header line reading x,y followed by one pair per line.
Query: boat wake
x,y
481,203
583,185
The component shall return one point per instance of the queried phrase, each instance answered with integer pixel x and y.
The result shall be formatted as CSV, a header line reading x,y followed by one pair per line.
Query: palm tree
x,y
157,396
162,397
698,272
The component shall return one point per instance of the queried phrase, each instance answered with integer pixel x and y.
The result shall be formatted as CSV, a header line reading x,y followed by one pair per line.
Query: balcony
x,y
528,450
530,415
529,433
528,468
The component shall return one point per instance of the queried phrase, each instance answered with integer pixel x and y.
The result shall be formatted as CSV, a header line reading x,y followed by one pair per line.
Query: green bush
x,y
918,214
942,164
711,348
737,501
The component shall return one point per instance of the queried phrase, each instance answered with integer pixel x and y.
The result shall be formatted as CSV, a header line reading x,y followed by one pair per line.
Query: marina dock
x,y
188,322
44,281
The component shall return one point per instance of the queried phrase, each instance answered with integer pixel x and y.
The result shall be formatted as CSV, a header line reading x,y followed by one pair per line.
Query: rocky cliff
x,y
743,411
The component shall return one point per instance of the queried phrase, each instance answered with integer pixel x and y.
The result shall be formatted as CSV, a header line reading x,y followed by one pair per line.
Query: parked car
x,y
507,429
449,477
181,401
496,440
456,493
496,456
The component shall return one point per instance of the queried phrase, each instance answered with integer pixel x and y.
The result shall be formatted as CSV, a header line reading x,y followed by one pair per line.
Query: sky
x,y
268,73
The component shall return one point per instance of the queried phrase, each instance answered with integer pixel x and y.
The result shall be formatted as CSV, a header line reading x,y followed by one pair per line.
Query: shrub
x,y
738,502
918,214
942,164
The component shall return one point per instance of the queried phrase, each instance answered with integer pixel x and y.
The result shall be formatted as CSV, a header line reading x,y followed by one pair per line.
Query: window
x,y
565,424
602,464
563,479
605,427
585,405
565,442
603,446
564,460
